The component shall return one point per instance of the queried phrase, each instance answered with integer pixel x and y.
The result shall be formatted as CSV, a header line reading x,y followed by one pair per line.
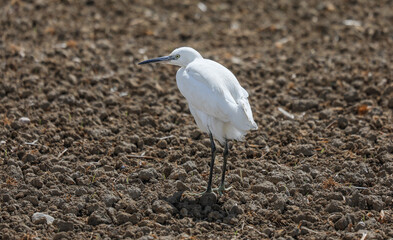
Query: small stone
x,y
351,96
135,218
24,120
237,210
162,144
40,218
147,174
162,218
16,125
214,215
337,142
305,149
45,105
64,226
342,122
372,90
189,166
110,199
118,150
98,217
208,199
372,223
134,192
341,224
123,217
265,187
376,203
335,196
334,206
61,236
325,114
360,225
302,105
196,134
134,139
181,186
130,207
29,158
160,206
6,197
280,203
178,174
36,182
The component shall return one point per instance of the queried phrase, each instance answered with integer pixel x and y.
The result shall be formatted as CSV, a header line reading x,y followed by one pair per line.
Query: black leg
x,y
213,147
224,166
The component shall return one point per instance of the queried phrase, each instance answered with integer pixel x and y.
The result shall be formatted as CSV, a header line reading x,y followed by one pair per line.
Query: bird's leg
x,y
213,148
222,188
213,156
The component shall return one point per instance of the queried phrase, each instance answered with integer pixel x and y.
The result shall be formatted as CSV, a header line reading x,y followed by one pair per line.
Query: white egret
x,y
216,100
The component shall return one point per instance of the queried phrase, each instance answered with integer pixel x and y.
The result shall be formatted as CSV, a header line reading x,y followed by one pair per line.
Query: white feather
x,y
216,100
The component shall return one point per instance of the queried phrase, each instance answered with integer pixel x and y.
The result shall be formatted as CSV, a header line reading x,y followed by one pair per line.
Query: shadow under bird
x,y
216,100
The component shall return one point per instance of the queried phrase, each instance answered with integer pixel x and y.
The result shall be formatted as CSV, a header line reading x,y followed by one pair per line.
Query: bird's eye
x,y
177,56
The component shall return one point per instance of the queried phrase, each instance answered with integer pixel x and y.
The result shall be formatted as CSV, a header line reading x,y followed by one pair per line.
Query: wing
x,y
202,86
214,90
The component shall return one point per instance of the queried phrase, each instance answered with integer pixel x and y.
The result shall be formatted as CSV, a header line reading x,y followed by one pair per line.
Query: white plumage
x,y
216,100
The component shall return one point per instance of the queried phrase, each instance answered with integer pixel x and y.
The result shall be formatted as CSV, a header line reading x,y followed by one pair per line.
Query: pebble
x,y
214,215
360,225
334,206
64,226
189,166
161,206
24,120
264,187
123,217
36,182
305,149
351,96
147,174
372,90
61,236
326,114
180,186
342,122
162,218
40,218
341,224
110,199
208,199
29,158
302,105
162,144
99,217
134,192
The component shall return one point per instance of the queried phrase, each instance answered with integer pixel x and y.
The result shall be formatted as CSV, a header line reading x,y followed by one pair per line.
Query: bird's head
x,y
180,57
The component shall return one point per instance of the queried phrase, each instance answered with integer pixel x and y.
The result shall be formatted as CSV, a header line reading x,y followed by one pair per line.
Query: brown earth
x,y
110,150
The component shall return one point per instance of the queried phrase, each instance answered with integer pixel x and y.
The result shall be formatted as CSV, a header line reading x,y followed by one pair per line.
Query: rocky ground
x,y
94,146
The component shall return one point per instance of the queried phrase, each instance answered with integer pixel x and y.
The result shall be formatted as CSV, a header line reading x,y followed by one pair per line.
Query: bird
x,y
216,100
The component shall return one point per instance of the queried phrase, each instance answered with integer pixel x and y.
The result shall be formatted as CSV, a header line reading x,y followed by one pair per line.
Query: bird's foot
x,y
195,194
221,189
199,194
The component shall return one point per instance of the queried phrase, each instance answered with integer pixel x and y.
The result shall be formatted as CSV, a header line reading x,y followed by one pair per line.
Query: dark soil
x,y
110,151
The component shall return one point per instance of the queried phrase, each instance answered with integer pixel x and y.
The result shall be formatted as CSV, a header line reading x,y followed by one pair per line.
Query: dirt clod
x,y
208,199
